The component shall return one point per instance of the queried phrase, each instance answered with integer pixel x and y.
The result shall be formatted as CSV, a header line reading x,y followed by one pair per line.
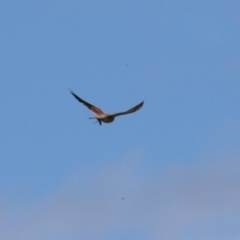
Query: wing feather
x,y
131,110
90,106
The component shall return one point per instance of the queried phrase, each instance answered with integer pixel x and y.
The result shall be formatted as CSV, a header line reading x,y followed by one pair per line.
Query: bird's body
x,y
106,118
103,117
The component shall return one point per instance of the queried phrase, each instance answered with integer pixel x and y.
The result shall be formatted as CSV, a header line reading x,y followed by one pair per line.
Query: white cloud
x,y
201,201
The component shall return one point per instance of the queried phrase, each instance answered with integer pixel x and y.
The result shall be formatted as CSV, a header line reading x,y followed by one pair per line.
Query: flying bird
x,y
103,117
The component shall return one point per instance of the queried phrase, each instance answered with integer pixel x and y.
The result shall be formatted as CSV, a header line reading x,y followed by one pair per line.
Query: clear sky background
x,y
170,171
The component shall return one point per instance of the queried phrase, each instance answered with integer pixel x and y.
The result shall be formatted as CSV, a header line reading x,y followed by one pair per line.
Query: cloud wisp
x,y
200,201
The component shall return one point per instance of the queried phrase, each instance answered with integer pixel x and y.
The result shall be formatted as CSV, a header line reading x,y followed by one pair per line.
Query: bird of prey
x,y
103,117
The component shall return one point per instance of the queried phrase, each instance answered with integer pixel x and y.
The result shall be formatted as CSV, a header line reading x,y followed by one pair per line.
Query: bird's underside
x,y
103,117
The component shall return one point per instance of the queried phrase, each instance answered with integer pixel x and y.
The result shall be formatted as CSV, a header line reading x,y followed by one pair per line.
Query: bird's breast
x,y
107,119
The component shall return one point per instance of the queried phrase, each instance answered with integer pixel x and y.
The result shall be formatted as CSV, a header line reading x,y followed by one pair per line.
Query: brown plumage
x,y
103,117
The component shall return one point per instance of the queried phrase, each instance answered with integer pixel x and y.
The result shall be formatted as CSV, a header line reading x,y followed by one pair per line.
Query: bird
x,y
103,117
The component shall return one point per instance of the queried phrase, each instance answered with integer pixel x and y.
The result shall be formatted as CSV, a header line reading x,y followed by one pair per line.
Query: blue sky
x,y
169,171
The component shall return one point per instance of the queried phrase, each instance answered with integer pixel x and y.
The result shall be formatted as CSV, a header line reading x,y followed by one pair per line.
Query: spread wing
x,y
131,110
90,106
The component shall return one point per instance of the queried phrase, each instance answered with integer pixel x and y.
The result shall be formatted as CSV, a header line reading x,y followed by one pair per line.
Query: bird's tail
x,y
98,120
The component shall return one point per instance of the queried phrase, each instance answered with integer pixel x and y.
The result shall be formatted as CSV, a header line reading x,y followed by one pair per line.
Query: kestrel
x,y
103,117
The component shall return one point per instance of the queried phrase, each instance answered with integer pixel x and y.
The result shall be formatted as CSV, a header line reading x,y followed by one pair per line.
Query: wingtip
x,y
72,92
